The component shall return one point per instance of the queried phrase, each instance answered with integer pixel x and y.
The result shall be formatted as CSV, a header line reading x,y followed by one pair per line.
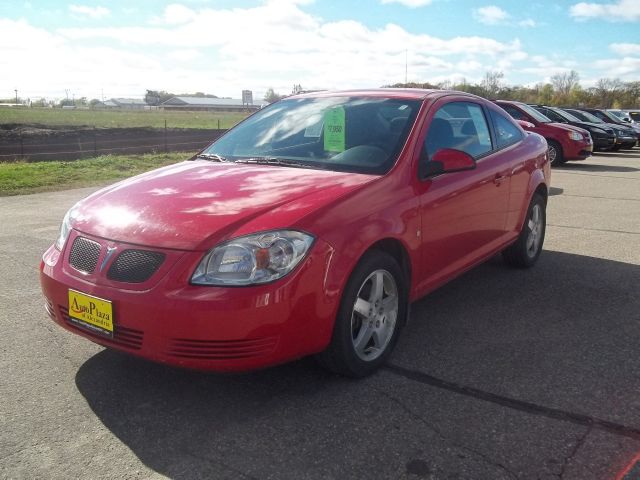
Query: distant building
x,y
129,103
124,103
208,104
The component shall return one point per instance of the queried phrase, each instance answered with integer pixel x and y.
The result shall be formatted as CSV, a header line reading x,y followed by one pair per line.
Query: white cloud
x,y
490,15
184,55
281,45
175,14
198,48
625,48
93,12
619,11
410,3
527,23
627,68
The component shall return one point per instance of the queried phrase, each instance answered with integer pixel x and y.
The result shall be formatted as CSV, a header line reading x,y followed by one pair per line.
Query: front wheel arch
x,y
558,157
342,355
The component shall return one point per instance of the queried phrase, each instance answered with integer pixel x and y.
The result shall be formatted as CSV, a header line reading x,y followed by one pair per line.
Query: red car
x,y
566,142
306,229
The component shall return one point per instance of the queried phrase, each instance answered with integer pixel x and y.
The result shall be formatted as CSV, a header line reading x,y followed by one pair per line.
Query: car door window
x,y
506,132
555,117
514,112
458,125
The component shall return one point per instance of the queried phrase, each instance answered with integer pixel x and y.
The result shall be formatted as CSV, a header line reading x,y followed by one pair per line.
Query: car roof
x,y
405,93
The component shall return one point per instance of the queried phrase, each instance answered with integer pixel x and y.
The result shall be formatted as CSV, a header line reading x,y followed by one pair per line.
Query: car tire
x,y
556,157
372,312
525,251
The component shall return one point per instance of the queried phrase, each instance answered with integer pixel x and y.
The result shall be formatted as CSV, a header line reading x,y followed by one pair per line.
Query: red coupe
x,y
306,229
566,142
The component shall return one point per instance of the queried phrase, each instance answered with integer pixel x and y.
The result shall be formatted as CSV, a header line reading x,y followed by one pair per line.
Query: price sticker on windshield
x,y
334,130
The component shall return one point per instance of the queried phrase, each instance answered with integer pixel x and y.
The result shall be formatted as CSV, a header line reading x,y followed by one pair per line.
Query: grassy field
x,y
21,178
119,118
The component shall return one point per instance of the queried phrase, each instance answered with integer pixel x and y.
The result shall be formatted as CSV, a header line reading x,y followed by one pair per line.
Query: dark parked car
x,y
622,115
625,135
565,142
610,118
604,138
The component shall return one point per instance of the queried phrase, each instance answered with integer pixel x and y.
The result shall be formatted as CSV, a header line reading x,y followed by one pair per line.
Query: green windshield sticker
x,y
334,130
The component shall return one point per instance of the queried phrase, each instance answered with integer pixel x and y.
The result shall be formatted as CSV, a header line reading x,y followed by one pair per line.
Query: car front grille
x,y
84,255
135,266
122,336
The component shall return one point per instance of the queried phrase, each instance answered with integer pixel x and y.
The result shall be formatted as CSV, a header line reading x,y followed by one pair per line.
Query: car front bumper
x,y
604,142
201,327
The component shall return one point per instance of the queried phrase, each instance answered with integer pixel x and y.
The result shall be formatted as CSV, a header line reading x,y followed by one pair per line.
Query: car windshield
x,y
621,114
534,113
586,116
565,115
611,116
353,134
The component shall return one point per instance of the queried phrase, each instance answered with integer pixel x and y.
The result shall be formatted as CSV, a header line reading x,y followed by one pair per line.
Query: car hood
x,y
588,125
189,205
569,128
622,129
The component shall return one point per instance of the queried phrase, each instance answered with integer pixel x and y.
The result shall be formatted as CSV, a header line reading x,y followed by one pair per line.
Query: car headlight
x,y
575,136
65,229
253,259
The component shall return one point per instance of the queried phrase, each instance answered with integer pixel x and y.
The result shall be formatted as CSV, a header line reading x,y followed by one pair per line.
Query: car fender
x,y
537,179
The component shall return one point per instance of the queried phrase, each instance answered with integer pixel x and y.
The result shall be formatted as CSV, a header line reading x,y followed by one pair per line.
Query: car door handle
x,y
498,179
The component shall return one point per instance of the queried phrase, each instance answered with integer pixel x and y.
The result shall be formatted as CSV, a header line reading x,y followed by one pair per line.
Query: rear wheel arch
x,y
543,191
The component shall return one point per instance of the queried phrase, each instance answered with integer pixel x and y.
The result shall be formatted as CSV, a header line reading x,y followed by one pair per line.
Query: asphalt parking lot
x,y
501,374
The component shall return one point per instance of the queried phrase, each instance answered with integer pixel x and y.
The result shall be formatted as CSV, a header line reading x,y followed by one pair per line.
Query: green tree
x,y
492,83
545,94
270,96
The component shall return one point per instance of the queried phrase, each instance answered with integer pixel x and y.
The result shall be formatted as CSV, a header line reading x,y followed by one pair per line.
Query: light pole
x,y
16,90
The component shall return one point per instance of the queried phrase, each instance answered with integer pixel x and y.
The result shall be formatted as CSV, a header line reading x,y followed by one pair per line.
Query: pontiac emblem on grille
x,y
108,255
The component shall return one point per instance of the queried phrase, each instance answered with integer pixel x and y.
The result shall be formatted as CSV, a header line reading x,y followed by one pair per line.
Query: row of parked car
x,y
574,133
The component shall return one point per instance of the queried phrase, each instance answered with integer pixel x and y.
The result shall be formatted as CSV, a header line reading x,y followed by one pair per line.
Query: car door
x,y
464,213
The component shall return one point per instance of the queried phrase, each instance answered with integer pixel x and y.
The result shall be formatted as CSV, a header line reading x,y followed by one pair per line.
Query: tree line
x,y
564,89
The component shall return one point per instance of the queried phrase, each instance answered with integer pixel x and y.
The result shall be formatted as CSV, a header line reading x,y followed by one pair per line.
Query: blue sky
x,y
120,48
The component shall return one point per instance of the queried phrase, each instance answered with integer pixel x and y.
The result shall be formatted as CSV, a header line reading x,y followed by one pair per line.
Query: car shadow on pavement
x,y
560,335
590,167
635,153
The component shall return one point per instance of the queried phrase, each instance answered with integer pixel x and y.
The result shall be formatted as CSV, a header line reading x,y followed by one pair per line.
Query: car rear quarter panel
x,y
525,180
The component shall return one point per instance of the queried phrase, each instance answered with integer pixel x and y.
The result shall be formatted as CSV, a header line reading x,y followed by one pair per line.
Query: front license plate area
x,y
91,313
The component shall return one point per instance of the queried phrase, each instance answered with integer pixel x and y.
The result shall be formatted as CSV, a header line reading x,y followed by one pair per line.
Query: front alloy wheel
x,y
372,311
374,315
555,153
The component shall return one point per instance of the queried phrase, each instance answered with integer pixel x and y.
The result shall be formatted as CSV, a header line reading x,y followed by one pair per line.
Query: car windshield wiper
x,y
275,161
212,156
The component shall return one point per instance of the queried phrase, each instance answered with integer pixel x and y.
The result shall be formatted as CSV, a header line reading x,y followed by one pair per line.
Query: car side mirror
x,y
447,160
524,124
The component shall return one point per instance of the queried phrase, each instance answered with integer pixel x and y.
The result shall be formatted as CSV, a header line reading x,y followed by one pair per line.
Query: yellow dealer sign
x,y
90,312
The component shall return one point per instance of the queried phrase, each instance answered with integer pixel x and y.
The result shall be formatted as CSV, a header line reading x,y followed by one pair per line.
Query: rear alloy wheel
x,y
525,251
556,156
372,310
